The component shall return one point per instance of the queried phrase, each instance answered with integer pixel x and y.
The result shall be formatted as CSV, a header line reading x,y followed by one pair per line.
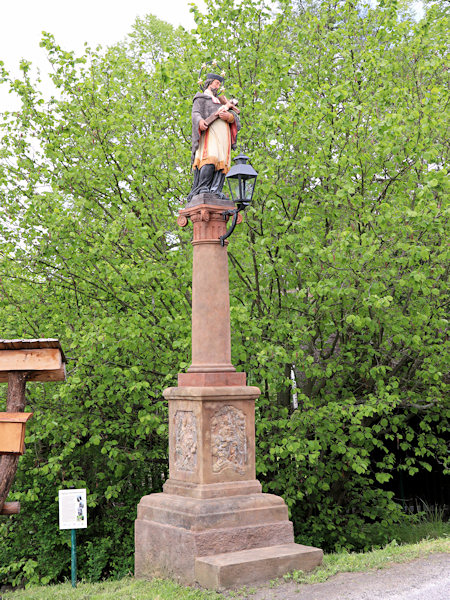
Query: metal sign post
x,y
73,515
74,558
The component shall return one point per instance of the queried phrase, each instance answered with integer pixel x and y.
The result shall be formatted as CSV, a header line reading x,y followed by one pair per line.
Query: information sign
x,y
72,509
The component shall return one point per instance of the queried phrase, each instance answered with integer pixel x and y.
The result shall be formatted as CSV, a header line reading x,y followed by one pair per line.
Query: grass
x,y
159,589
124,589
429,524
345,562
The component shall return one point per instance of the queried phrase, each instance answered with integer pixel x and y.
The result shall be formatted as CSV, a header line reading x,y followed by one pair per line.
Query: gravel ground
x,y
422,579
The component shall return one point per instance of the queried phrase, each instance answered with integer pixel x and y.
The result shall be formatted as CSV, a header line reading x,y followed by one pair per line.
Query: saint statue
x,y
215,124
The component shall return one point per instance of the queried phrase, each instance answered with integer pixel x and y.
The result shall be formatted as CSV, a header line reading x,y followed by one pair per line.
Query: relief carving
x,y
182,220
228,440
185,440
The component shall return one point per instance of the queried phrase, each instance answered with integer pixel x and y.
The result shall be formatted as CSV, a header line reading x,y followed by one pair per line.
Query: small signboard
x,y
72,509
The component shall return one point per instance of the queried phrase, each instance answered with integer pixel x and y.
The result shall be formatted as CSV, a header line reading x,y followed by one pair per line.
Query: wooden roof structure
x,y
15,417
43,359
38,343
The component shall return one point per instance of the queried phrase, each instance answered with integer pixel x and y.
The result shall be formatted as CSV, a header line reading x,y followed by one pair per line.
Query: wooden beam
x,y
15,402
10,508
40,359
54,375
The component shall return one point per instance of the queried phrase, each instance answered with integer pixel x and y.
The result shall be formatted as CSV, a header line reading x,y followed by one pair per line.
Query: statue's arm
x,y
226,115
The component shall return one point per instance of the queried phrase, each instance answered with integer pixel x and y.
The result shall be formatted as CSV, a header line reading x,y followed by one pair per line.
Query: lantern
x,y
241,181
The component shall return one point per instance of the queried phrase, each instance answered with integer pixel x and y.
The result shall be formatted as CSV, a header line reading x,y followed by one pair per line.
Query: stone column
x,y
212,524
211,338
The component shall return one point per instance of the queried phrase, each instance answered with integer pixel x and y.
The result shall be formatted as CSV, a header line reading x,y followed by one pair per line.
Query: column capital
x,y
209,220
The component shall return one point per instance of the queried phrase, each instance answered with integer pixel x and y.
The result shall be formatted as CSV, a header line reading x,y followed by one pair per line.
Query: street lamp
x,y
241,181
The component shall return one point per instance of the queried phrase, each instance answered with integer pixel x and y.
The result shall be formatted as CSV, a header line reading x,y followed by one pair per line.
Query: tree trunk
x,y
15,403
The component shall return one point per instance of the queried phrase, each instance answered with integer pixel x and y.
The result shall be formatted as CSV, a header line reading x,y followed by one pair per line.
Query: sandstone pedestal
x,y
212,524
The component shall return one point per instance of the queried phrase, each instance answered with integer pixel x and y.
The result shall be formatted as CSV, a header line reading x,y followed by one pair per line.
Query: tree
x,y
338,273
90,253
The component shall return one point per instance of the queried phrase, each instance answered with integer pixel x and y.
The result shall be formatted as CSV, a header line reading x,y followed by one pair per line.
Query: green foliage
x,y
90,254
338,274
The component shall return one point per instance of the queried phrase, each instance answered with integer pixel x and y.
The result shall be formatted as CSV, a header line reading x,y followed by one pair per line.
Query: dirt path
x,y
422,579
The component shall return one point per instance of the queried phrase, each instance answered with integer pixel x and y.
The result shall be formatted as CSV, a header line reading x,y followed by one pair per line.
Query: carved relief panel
x,y
185,440
228,440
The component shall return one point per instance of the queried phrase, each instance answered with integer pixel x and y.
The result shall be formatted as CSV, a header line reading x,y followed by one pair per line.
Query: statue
x,y
215,124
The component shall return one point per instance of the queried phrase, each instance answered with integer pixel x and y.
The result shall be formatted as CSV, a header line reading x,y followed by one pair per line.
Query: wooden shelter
x,y
21,361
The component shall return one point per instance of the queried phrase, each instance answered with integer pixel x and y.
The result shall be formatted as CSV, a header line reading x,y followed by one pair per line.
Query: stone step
x,y
234,569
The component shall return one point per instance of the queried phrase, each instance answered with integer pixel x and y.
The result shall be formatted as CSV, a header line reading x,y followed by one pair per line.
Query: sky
x,y
72,23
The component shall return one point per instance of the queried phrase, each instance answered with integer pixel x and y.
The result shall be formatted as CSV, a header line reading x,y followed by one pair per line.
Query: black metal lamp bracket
x,y
228,213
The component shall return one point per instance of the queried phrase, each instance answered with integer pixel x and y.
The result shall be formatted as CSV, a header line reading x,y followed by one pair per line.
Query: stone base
x,y
211,435
235,569
172,531
209,198
212,379
211,490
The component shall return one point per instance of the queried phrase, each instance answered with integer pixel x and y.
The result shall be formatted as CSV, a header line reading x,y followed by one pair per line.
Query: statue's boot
x,y
205,178
217,184
193,192
208,180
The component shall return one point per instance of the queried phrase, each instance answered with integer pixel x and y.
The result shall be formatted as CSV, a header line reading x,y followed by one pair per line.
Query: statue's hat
x,y
212,76
215,76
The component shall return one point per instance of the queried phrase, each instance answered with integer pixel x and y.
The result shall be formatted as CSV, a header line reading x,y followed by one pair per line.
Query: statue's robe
x,y
213,146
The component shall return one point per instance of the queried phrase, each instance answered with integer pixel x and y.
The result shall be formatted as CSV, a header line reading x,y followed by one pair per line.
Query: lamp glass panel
x,y
234,188
241,187
244,189
249,184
